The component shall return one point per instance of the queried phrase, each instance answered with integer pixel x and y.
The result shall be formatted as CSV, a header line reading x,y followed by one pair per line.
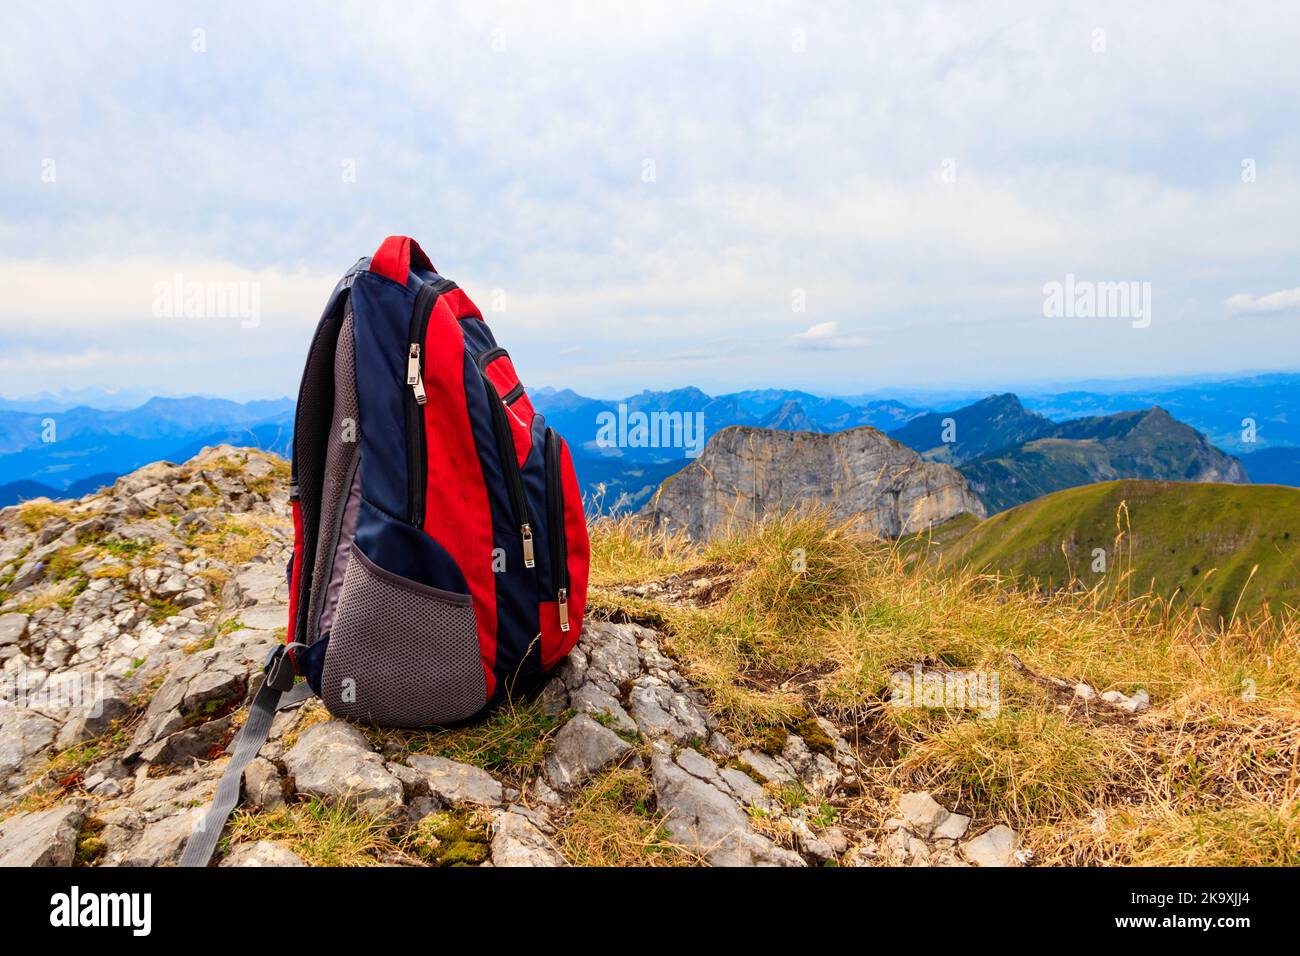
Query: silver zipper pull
x,y
413,364
526,532
413,373
563,598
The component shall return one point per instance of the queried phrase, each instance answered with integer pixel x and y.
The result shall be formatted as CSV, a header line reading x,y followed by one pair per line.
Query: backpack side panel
x,y
310,435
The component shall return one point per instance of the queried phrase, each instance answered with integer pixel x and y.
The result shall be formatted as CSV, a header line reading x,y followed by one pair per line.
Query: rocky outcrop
x,y
747,474
335,762
47,838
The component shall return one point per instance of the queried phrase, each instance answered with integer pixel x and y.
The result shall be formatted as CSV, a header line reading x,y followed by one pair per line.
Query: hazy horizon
x,y
132,398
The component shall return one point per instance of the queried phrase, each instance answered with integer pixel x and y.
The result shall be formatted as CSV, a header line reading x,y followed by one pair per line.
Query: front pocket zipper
x,y
510,468
416,450
555,526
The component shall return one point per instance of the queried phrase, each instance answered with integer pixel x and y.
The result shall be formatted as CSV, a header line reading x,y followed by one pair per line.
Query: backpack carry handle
x,y
394,257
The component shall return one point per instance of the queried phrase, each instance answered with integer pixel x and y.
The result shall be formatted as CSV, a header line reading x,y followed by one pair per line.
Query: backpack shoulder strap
x,y
276,693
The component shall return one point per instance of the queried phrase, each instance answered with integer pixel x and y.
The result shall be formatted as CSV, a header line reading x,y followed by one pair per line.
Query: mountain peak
x,y
747,474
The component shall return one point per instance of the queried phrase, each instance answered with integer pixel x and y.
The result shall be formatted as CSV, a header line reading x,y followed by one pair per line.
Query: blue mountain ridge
x,y
93,446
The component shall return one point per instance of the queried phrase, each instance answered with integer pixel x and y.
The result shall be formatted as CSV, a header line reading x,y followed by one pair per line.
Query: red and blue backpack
x,y
440,545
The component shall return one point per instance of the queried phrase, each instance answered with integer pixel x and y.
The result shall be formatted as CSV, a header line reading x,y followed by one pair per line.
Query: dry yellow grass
x,y
37,514
612,823
322,834
819,616
240,539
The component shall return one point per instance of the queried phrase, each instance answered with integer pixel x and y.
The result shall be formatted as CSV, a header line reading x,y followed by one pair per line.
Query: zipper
x,y
416,446
510,467
555,526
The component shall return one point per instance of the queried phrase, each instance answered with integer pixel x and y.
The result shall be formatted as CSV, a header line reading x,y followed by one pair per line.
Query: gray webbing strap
x,y
261,712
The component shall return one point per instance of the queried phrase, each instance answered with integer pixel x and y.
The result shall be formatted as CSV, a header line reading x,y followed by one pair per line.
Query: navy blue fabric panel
x,y
382,317
406,551
478,337
311,662
525,590
534,474
480,420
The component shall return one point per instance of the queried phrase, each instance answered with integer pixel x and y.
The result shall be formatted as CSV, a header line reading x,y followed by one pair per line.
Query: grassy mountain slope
x,y
1195,542
1148,444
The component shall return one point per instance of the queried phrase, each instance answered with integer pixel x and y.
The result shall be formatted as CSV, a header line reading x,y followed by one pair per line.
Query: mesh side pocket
x,y
401,654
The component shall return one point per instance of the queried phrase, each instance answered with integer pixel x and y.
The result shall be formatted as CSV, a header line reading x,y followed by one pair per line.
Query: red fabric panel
x,y
460,305
296,578
501,373
459,516
556,643
519,414
394,256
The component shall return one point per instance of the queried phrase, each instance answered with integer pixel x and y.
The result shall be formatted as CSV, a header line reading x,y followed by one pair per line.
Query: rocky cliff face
x,y
745,474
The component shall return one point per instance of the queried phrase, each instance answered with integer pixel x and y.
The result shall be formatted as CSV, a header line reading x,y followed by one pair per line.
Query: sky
x,y
840,197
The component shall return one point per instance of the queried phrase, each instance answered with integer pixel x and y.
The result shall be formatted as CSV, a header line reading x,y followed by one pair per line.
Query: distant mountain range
x,y
996,441
1222,410
1011,455
1273,466
959,436
623,474
856,475
76,450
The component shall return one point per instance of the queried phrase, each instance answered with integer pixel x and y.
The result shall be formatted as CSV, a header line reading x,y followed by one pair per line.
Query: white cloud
x,y
824,336
1282,301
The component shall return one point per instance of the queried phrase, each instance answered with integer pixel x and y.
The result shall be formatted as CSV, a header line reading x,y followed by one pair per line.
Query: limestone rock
x,y
662,712
25,734
456,783
581,749
771,769
161,843
13,628
746,473
205,682
262,853
334,761
590,699
922,813
47,838
994,847
517,841
263,785
700,816
953,827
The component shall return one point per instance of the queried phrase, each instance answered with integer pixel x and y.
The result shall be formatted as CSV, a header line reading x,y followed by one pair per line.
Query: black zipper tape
x,y
555,526
416,445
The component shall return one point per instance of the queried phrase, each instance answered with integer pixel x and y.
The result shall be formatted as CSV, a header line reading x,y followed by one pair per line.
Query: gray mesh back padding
x,y
401,654
342,445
